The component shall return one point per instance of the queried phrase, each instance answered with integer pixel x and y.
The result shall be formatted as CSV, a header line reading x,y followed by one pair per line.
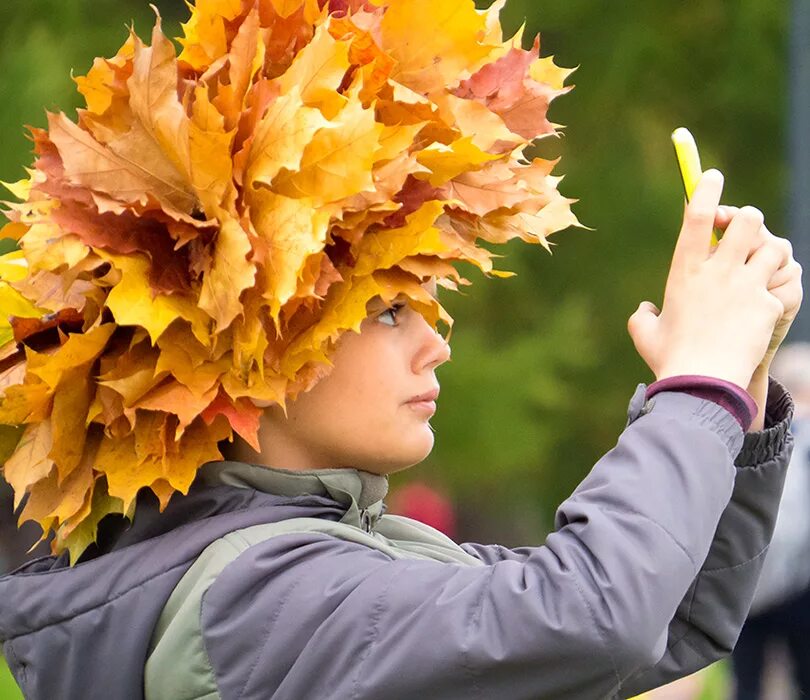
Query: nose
x,y
433,351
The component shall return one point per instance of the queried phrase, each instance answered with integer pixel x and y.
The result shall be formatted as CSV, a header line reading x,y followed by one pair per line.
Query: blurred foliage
x,y
8,688
543,367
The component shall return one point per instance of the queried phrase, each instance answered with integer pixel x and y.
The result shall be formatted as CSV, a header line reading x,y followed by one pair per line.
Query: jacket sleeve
x,y
710,616
712,613
308,616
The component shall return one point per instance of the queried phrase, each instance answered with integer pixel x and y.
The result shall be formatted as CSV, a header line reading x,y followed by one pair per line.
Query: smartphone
x,y
686,152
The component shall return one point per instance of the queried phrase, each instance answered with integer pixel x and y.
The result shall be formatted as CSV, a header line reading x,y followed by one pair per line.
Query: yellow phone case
x,y
686,152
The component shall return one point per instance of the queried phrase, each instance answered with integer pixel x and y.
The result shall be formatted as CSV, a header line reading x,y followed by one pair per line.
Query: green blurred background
x,y
542,365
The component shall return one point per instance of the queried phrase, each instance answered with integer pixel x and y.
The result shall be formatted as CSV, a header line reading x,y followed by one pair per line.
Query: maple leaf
x,y
132,303
338,162
230,274
205,37
385,248
130,173
242,415
245,59
292,232
509,88
30,462
105,82
71,403
280,138
427,61
77,533
318,71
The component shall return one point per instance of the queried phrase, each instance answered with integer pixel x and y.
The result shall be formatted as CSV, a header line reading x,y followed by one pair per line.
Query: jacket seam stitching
x,y
739,565
374,628
692,597
473,621
599,631
633,511
226,539
266,634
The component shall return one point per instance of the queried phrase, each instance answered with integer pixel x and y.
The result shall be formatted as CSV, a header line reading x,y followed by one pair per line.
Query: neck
x,y
279,448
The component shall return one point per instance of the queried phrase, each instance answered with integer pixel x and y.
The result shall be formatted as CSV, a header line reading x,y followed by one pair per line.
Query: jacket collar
x,y
361,493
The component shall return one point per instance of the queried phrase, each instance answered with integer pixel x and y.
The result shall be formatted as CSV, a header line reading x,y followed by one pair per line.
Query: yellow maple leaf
x,y
446,162
99,87
385,248
71,403
204,37
318,71
78,350
132,303
280,138
293,230
31,461
210,161
47,246
430,60
230,274
79,532
338,162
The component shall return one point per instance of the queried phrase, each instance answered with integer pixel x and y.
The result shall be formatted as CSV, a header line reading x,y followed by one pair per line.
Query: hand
x,y
718,314
785,285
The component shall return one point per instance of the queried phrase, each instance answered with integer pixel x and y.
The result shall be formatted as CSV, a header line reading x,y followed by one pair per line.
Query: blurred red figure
x,y
425,504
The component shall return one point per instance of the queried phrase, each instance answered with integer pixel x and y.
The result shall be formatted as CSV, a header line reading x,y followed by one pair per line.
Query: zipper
x,y
365,520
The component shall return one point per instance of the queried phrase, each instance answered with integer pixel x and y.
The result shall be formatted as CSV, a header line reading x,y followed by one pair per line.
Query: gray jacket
x,y
647,577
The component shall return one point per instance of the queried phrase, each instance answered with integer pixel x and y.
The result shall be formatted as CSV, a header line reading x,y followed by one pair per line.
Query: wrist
x,y
721,374
730,396
758,389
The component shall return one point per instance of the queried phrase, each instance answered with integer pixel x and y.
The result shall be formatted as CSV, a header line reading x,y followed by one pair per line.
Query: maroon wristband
x,y
733,398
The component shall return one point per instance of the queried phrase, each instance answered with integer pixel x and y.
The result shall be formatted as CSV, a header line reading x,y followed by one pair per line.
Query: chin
x,y
406,455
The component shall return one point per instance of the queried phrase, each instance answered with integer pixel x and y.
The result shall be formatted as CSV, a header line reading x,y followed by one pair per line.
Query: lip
x,y
424,402
428,407
427,397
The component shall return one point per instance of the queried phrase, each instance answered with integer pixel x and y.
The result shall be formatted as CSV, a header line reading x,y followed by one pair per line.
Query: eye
x,y
389,316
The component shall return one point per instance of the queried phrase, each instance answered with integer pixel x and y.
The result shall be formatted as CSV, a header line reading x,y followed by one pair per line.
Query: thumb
x,y
641,325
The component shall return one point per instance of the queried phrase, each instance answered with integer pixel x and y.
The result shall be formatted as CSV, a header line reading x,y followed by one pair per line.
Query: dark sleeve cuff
x,y
733,398
765,445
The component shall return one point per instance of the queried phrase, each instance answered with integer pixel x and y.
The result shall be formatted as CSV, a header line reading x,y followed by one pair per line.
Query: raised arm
x,y
712,613
317,617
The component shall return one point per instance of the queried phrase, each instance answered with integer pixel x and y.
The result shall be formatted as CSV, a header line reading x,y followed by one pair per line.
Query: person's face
x,y
363,414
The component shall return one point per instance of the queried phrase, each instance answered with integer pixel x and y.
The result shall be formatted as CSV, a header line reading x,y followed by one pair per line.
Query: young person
x,y
278,575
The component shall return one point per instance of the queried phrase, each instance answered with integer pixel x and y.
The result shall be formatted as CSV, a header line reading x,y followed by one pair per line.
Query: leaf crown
x,y
194,245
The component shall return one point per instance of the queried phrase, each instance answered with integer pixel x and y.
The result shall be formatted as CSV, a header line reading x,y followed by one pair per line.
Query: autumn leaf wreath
x,y
193,246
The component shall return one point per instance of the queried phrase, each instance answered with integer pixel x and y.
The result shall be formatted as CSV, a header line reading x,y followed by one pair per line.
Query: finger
x,y
724,216
792,272
740,237
694,240
765,262
641,325
790,295
782,245
765,237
